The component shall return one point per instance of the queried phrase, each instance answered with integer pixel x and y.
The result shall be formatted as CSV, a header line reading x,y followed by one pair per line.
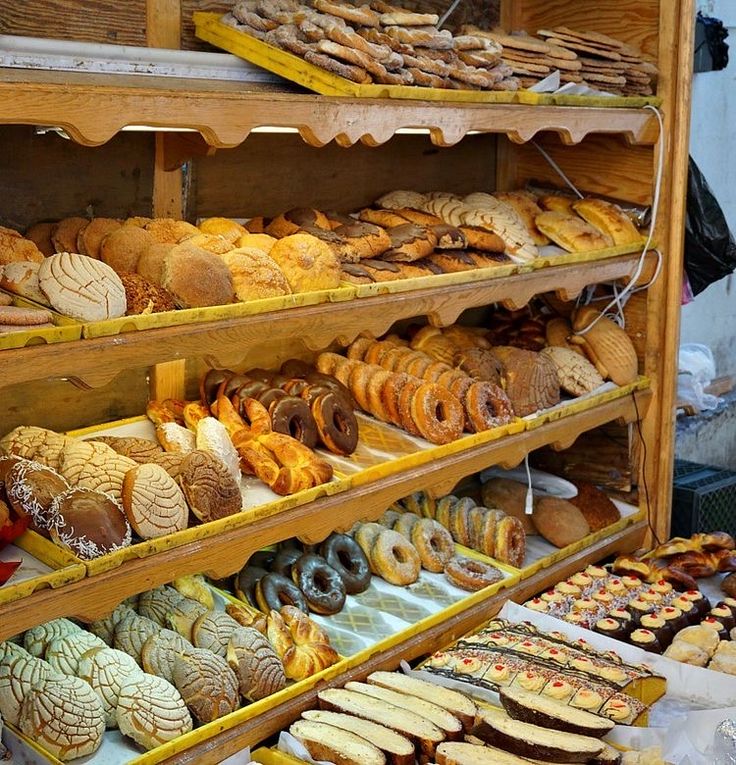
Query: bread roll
x,y
308,263
196,278
559,522
255,275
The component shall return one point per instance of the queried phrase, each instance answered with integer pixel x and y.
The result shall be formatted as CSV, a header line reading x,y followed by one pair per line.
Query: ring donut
x,y
274,591
433,543
510,541
295,386
292,417
343,370
390,517
270,396
321,585
469,574
390,396
365,535
210,384
358,348
358,383
488,532
438,415
418,365
443,509
394,558
405,524
460,521
284,560
435,370
378,378
446,379
344,554
262,559
406,396
262,375
317,378
336,424
295,368
487,406
391,358
377,351
246,581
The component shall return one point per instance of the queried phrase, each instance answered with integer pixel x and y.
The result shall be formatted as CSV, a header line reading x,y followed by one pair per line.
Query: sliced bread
x,y
462,753
397,748
325,742
460,706
420,730
531,741
550,713
444,720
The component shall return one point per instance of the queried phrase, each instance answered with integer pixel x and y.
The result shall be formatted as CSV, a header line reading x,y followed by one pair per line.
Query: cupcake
x,y
597,573
577,617
674,617
663,587
712,623
537,604
623,617
646,640
701,603
724,615
731,603
689,611
659,627
569,589
638,607
631,582
651,596
616,587
581,579
611,628
604,598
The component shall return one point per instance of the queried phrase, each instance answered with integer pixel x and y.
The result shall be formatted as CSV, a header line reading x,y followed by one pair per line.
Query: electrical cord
x,y
644,458
446,15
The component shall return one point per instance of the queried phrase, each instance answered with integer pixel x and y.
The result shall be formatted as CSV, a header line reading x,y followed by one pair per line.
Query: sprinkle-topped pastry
x,y
646,639
569,589
587,699
558,689
537,604
585,605
650,596
604,597
530,681
576,617
581,579
723,613
596,572
663,587
631,582
552,596
616,586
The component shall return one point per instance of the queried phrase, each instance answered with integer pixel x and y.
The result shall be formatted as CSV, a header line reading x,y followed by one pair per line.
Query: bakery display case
x,y
220,149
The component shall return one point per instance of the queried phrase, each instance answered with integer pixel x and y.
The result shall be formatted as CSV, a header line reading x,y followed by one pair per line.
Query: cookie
x,y
17,316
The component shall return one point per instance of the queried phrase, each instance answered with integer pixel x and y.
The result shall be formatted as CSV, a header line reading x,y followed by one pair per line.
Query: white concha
x,y
64,653
19,672
37,639
106,670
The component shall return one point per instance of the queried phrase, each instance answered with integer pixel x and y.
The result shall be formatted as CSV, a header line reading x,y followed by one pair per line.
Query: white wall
x,y
711,318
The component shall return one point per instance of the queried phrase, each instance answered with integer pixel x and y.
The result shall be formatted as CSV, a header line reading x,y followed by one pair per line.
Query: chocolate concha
x,y
141,450
153,502
170,462
106,670
182,616
105,628
64,716
32,443
37,639
64,653
209,488
259,670
31,489
19,672
159,653
88,523
529,380
131,632
156,604
151,711
207,684
213,631
479,363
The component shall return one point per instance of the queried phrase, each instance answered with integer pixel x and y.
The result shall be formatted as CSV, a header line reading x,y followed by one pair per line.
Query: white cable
x,y
558,170
529,500
446,15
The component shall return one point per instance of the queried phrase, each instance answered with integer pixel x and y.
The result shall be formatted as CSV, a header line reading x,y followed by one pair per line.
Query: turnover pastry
x,y
571,232
206,683
608,218
255,275
307,262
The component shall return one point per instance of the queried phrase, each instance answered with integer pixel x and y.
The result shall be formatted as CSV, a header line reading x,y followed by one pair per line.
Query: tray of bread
x,y
164,671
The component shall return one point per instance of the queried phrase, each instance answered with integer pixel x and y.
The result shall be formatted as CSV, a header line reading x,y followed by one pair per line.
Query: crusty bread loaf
x,y
463,753
461,706
418,729
397,748
444,720
531,741
325,742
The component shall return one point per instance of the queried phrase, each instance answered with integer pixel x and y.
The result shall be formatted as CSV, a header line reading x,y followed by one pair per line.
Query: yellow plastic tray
x,y
584,257
550,99
274,756
208,27
66,329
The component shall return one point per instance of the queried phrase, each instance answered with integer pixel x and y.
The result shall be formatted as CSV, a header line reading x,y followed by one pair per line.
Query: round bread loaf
x,y
64,653
184,612
122,248
224,227
151,262
308,263
64,233
15,247
151,711
160,651
196,278
214,243
75,456
263,242
106,670
255,275
170,231
81,287
64,716
40,235
19,672
207,685
32,443
153,502
37,639
90,237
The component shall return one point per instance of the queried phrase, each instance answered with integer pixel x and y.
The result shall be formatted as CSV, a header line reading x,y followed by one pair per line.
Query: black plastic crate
x,y
703,499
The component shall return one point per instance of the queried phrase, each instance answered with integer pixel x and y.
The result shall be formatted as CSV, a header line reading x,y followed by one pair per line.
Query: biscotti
x,y
327,743
463,753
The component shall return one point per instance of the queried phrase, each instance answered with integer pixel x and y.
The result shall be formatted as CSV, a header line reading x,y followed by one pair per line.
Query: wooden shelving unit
x,y
605,151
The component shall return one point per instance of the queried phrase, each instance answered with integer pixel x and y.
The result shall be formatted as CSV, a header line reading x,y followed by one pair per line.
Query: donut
x,y
389,518
285,559
390,396
460,522
210,383
357,349
406,396
317,378
405,524
295,386
418,365
476,516
446,379
376,381
487,406
376,351
487,541
510,541
459,388
391,358
344,554
443,508
394,558
295,368
438,415
433,543
230,385
358,379
292,417
336,424
473,575
262,375
262,559
435,370
274,591
246,581
321,585
271,396
365,536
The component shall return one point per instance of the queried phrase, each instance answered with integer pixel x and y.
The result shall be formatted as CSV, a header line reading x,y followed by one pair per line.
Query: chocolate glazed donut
x,y
320,584
296,368
292,417
251,389
274,591
344,554
246,581
232,384
210,383
284,560
270,396
336,424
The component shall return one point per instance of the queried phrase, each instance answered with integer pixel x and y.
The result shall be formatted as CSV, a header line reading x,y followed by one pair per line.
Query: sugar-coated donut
x,y
336,424
322,586
365,536
405,524
460,521
378,378
357,382
274,591
358,348
344,554
406,397
487,406
433,543
469,574
395,559
391,358
443,508
488,534
438,415
390,396
510,541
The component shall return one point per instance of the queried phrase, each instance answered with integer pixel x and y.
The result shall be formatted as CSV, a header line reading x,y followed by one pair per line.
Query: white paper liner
x,y
29,568
290,745
551,84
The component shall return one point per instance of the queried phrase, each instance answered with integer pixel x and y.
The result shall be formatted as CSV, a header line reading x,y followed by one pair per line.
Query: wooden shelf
x,y
255,731
92,108
218,557
96,361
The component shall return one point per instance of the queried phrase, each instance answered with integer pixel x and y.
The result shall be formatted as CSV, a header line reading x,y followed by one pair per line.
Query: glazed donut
x,y
433,543
471,574
357,349
336,424
295,386
394,558
343,369
365,535
252,389
321,585
312,391
274,591
317,378
487,406
271,396
446,379
379,377
459,386
510,541
376,351
210,384
295,368
344,554
443,508
437,414
460,522
284,560
262,559
476,517
390,396
406,397
292,417
405,524
418,365
390,359
245,583
358,380
262,375
327,362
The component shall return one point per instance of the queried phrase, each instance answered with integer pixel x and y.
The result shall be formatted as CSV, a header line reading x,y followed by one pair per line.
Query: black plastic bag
x,y
710,250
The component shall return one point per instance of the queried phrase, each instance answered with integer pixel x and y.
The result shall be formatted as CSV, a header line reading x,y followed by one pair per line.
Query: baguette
x,y
461,706
444,720
549,713
325,742
397,748
420,730
463,753
533,742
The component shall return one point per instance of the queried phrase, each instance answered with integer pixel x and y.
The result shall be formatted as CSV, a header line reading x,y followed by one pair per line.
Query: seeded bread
x,y
397,748
461,706
325,742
